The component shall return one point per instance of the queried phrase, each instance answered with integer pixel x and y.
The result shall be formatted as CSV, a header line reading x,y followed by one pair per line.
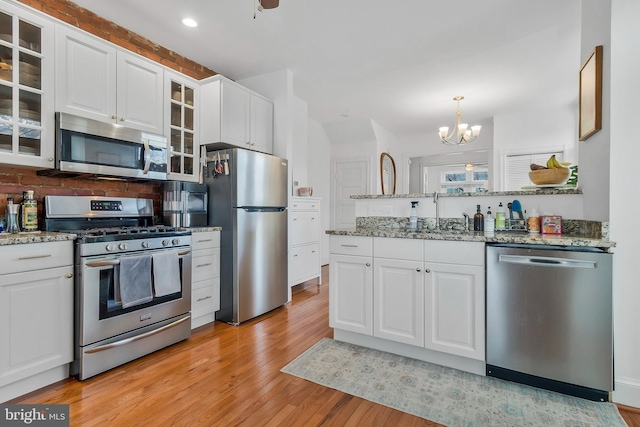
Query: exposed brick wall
x,y
80,17
15,180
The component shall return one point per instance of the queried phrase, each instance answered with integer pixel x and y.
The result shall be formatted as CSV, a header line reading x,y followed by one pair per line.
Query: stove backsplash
x,y
15,180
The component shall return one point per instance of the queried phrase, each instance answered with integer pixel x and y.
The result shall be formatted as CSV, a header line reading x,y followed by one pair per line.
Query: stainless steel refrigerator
x,y
248,199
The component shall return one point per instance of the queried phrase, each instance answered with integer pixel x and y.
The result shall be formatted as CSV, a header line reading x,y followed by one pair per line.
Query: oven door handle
x,y
110,262
138,337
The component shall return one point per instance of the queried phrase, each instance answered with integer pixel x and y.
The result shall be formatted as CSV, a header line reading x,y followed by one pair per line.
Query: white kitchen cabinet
x,y
205,277
351,284
455,298
27,126
234,116
304,231
99,81
398,285
36,314
181,126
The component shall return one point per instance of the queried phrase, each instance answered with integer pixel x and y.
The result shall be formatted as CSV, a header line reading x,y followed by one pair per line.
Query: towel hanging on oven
x,y
134,276
166,273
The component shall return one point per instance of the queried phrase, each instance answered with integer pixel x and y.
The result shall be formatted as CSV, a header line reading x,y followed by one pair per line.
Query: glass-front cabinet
x,y
181,127
26,89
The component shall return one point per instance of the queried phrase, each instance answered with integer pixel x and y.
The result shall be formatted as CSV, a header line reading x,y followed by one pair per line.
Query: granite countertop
x,y
470,236
34,237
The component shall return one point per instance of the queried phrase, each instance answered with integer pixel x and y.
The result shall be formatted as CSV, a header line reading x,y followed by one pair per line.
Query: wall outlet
x,y
377,210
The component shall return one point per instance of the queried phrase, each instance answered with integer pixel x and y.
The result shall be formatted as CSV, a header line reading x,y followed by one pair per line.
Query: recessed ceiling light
x,y
189,22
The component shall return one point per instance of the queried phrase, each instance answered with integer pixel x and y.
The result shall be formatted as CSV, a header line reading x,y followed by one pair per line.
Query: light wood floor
x,y
225,375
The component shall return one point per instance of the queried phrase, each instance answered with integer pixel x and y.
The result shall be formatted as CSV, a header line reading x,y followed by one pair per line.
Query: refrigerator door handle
x,y
254,209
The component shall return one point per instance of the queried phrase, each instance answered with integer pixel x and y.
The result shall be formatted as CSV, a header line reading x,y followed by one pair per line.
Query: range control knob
x,y
165,242
123,246
145,244
176,241
111,247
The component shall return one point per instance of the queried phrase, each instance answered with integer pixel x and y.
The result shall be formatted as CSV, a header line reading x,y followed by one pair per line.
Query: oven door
x,y
100,317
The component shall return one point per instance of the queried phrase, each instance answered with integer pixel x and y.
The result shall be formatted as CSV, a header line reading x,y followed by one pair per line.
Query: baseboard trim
x,y
627,392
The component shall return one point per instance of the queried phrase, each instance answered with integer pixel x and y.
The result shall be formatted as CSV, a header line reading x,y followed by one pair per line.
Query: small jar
x,y
533,222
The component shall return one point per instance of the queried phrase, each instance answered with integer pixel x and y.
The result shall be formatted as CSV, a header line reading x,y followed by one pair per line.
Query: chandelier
x,y
463,135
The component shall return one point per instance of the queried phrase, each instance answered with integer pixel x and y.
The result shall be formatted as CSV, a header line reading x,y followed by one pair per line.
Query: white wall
x,y
624,206
385,143
298,162
319,177
593,165
535,130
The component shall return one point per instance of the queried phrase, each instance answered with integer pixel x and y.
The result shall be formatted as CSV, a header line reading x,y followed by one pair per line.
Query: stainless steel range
x,y
133,279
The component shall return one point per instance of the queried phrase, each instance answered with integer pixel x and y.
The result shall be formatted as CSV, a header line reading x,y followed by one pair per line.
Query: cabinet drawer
x,y
304,205
36,256
304,227
205,239
406,249
205,300
453,252
305,262
351,245
206,266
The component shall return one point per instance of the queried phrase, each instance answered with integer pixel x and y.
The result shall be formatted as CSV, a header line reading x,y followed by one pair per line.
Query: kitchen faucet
x,y
466,221
435,200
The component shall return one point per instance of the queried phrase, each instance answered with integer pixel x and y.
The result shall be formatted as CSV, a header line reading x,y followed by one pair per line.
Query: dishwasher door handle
x,y
546,261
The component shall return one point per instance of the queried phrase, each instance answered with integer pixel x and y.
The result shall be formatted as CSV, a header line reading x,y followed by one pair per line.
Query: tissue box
x,y
551,224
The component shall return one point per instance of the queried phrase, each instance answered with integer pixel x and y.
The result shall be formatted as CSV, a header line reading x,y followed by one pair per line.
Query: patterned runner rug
x,y
444,395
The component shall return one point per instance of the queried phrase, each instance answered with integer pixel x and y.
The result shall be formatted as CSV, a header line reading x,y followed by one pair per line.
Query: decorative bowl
x,y
550,176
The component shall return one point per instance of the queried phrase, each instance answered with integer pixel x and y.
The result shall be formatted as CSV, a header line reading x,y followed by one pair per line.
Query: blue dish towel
x,y
166,273
135,280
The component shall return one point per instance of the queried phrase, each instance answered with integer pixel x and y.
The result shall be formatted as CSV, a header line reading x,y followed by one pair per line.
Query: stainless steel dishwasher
x,y
549,318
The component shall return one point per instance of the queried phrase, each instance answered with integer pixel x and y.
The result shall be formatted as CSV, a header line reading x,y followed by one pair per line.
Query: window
x,y
517,168
457,179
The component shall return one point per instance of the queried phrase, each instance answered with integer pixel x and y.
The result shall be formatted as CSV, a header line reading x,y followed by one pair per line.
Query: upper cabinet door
x,y
86,76
26,88
261,124
235,115
182,97
139,95
98,81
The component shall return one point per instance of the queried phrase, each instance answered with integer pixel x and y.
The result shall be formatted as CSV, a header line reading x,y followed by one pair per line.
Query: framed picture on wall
x,y
590,120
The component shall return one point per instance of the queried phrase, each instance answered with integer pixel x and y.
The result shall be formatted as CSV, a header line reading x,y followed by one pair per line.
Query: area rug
x,y
444,395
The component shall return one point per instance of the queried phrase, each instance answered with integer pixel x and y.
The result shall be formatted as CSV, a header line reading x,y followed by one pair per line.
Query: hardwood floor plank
x,y
227,375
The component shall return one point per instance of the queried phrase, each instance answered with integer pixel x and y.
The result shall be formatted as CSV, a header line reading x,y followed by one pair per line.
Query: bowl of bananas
x,y
554,173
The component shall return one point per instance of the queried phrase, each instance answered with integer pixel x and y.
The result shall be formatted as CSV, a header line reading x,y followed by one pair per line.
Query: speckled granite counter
x,y
497,237
528,192
203,229
34,237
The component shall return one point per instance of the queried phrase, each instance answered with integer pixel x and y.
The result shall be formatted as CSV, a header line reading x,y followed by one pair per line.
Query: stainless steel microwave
x,y
86,146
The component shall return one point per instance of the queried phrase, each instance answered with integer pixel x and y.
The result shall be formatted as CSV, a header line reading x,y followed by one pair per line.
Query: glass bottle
x,y
29,212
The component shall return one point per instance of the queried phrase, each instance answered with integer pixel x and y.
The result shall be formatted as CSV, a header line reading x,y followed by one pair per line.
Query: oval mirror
x,y
387,174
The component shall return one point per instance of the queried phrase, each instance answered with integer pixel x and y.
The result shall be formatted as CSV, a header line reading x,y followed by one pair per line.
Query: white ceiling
x,y
398,62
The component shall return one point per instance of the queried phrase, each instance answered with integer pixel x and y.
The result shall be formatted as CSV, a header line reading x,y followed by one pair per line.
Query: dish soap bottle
x,y
489,223
478,220
500,219
413,217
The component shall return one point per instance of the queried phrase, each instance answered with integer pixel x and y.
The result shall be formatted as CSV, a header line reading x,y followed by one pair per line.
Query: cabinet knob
x,y
426,270
122,119
368,265
418,270
114,117
69,276
50,159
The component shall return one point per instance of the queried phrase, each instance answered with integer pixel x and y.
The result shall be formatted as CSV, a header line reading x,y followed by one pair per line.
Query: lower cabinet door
x,y
36,318
304,263
351,293
454,307
398,310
